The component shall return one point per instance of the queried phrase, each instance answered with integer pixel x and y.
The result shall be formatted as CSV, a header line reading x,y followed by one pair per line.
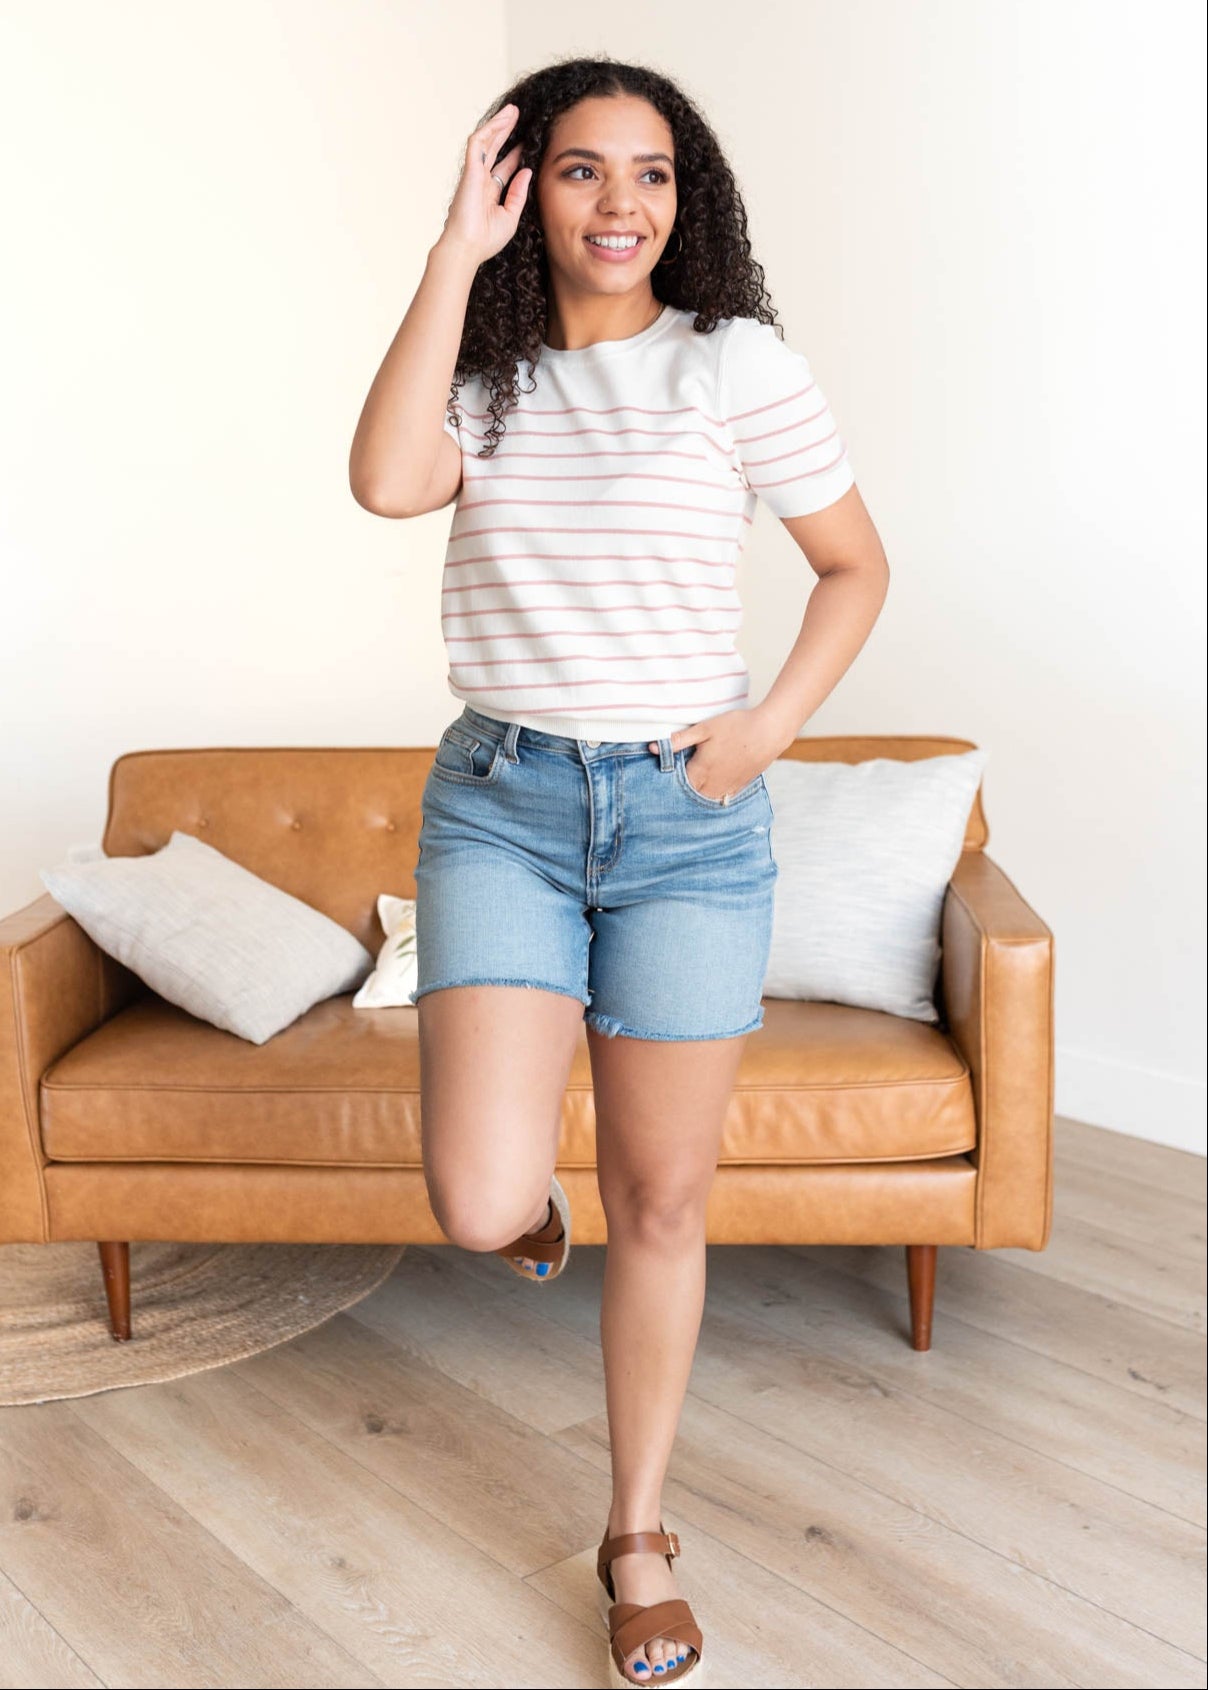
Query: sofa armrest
x,y
996,991
56,985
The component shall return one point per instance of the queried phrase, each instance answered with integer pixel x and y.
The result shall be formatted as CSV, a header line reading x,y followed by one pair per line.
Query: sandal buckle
x,y
674,1542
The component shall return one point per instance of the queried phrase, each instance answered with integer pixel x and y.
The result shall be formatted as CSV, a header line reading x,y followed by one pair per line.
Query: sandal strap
x,y
631,1626
536,1249
637,1543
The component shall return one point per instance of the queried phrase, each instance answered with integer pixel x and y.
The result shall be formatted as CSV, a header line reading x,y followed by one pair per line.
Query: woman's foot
x,y
645,1578
548,1230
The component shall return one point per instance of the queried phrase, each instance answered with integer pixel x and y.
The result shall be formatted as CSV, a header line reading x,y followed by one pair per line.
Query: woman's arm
x,y
842,547
403,460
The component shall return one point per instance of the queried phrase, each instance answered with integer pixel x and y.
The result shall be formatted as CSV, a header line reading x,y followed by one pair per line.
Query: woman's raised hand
x,y
477,221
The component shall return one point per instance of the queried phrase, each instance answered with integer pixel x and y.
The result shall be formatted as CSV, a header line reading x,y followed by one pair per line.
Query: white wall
x,y
982,221
215,217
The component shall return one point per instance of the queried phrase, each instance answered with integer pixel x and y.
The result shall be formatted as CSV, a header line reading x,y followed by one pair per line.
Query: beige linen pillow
x,y
865,853
210,936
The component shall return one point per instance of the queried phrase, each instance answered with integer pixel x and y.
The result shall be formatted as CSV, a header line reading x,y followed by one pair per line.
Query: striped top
x,y
589,583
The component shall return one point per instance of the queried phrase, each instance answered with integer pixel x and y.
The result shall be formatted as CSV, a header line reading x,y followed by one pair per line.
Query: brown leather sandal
x,y
552,1254
630,1625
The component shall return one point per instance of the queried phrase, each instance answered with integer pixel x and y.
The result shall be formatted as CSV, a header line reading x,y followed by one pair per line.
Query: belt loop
x,y
666,756
509,742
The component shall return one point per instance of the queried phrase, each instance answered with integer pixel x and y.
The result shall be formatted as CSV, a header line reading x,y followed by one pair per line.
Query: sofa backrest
x,y
338,826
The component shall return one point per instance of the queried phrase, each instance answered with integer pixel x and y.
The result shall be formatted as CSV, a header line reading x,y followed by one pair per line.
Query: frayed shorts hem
x,y
607,1025
496,980
611,1028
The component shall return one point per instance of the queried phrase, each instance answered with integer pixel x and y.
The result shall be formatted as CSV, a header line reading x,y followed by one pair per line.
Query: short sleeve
x,y
786,443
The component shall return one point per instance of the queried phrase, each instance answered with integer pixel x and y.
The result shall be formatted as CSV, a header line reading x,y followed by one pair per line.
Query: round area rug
x,y
192,1306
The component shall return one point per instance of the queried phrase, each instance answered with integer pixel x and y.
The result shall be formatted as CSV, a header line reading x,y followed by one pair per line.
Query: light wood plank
x,y
504,1487
1133,1162
32,1654
130,1580
1086,1192
1022,1505
398,1591
475,1332
1148,1277
1142,1446
908,1581
1025,1506
1068,1323
1062,1524
757,1629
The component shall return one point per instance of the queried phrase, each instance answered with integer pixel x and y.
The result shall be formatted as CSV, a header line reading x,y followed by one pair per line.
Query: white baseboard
x,y
1126,1098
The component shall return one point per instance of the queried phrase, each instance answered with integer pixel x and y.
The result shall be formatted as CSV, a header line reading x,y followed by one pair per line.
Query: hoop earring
x,y
680,248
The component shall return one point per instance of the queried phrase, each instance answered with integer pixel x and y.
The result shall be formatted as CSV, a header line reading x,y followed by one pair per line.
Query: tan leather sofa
x,y
122,1117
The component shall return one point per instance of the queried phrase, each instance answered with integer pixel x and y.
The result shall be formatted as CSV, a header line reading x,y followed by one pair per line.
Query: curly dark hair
x,y
714,274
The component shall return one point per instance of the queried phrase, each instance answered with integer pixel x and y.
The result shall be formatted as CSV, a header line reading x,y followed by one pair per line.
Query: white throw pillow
x,y
397,973
211,936
865,852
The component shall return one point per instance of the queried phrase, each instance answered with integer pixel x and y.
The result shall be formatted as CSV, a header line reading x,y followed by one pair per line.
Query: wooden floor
x,y
412,1494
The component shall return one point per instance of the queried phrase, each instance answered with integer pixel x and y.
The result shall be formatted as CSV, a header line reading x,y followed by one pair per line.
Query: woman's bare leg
x,y
494,1065
660,1107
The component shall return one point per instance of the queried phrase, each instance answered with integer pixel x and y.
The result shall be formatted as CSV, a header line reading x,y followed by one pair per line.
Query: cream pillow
x,y
396,974
210,936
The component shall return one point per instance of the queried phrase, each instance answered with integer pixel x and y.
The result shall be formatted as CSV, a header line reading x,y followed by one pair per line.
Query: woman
x,y
603,786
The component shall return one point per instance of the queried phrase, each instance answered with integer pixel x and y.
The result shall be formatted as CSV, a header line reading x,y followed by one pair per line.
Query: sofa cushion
x,y
819,1082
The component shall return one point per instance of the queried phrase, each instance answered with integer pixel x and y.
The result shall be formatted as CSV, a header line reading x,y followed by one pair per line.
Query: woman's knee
x,y
654,1210
475,1216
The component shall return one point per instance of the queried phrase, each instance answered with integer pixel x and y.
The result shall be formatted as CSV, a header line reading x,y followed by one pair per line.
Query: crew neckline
x,y
611,348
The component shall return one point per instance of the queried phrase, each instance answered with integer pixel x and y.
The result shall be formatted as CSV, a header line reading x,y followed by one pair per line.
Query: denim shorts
x,y
594,869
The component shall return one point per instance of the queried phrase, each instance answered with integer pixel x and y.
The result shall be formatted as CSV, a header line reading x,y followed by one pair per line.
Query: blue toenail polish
x,y
640,1666
658,1667
542,1269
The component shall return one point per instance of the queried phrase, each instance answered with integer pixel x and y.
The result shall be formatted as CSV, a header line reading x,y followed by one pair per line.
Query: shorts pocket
x,y
467,757
740,797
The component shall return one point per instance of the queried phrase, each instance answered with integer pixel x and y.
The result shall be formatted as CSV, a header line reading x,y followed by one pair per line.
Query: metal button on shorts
x,y
608,878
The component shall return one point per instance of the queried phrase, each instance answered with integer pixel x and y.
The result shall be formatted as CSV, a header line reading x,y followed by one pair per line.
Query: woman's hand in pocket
x,y
733,749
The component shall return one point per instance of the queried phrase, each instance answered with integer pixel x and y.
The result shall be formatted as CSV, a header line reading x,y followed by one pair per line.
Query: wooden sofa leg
x,y
920,1275
115,1266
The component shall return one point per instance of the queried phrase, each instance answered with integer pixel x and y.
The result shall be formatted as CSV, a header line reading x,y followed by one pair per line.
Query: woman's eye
x,y
653,171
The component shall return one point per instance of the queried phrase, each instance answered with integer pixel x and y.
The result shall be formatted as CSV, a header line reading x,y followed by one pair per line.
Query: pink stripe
x,y
646,681
775,404
785,428
595,504
583,533
579,557
588,586
594,411
629,703
526,610
797,451
584,657
515,433
610,475
763,486
583,633
614,410
577,457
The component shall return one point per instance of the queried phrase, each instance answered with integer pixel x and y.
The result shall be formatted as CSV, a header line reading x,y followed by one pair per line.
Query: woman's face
x,y
609,168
